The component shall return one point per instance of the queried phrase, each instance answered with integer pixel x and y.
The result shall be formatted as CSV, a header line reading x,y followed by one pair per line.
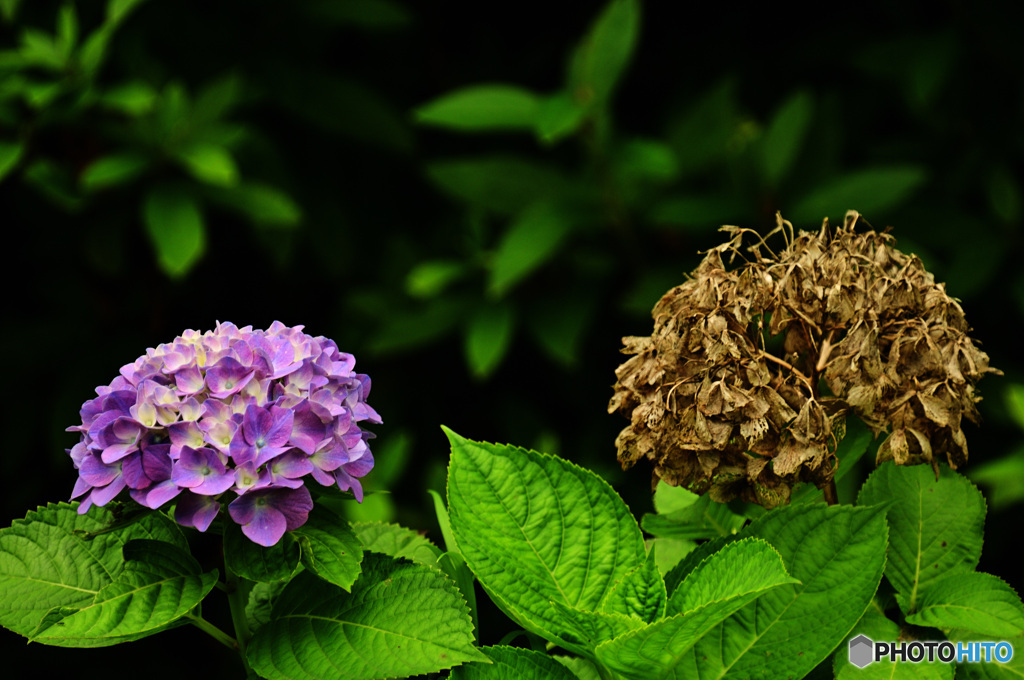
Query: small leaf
x,y
429,279
67,29
488,337
702,519
396,541
256,562
1015,403
935,527
603,54
558,116
559,324
870,191
412,618
482,107
262,204
209,163
641,593
10,154
330,549
975,602
785,135
133,97
113,170
175,225
532,238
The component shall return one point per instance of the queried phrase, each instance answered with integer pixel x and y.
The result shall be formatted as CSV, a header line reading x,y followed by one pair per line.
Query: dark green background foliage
x,y
477,203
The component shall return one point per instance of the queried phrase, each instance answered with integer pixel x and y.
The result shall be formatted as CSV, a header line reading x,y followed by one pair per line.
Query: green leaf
x,y
582,669
502,184
795,625
112,170
604,53
536,529
785,136
67,29
209,163
134,98
175,225
256,562
1012,670
488,337
1015,403
935,527
56,558
10,154
330,549
559,322
41,49
583,631
558,116
396,541
160,584
482,107
877,627
703,519
742,566
512,663
869,191
429,279
972,601
532,238
641,593
412,618
117,10
260,603
722,585
262,204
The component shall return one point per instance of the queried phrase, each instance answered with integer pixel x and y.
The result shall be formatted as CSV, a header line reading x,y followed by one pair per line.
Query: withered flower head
x,y
743,388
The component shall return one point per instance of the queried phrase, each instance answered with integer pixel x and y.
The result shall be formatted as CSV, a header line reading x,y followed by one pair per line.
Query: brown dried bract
x,y
743,388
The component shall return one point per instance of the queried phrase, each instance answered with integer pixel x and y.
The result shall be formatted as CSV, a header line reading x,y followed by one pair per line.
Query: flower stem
x,y
238,593
213,631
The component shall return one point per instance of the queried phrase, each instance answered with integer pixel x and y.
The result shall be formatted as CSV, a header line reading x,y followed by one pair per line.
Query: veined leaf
x,y
536,529
972,601
256,562
412,618
512,663
641,593
160,584
329,547
935,527
57,558
482,107
396,541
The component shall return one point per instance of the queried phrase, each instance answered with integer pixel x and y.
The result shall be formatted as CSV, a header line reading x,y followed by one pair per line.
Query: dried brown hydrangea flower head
x,y
743,388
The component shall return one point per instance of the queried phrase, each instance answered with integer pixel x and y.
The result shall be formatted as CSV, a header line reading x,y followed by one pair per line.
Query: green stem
x,y
238,593
213,631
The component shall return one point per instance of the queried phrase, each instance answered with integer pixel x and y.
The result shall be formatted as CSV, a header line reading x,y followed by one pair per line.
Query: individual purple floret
x,y
230,411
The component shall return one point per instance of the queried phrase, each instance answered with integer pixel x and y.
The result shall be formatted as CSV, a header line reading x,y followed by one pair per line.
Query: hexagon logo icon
x,y
861,651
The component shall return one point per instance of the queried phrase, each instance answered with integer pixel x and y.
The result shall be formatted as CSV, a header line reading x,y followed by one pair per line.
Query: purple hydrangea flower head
x,y
247,413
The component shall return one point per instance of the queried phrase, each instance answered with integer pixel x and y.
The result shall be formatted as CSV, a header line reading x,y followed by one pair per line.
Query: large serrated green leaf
x,y
536,529
512,663
482,107
934,526
1011,670
329,547
55,557
396,541
876,626
837,554
971,601
400,619
160,584
582,631
729,579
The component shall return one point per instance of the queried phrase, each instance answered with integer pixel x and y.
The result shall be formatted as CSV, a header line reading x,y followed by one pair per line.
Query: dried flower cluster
x,y
250,412
743,388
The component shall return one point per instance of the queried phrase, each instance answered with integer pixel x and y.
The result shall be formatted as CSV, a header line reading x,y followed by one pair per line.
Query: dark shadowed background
x,y
477,203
